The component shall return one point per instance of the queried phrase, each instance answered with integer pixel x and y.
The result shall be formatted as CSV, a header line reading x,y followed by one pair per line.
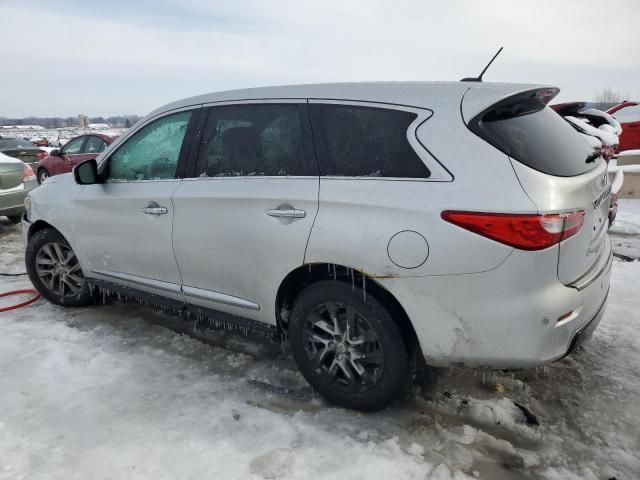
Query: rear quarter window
x,y
355,141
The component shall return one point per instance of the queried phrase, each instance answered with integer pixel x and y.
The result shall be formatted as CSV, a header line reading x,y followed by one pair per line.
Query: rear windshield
x,y
542,140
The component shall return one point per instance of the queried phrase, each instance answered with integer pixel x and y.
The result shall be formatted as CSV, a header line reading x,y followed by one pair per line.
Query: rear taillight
x,y
27,174
523,231
40,155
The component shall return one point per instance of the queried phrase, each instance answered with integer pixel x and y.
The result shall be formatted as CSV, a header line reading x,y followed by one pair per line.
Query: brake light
x,y
27,174
523,231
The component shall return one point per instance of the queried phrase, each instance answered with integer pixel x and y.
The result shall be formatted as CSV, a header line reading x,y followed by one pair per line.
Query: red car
x,y
40,142
628,114
78,150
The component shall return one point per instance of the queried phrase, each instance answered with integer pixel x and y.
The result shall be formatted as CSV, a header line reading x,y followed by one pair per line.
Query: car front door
x,y
242,221
124,223
68,155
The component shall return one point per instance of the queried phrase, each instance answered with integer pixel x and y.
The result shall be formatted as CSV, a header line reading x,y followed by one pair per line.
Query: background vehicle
x,y
16,181
40,142
77,150
22,149
628,114
372,224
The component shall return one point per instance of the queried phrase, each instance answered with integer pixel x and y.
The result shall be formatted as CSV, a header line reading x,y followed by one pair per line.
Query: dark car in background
x,y
22,149
628,114
77,150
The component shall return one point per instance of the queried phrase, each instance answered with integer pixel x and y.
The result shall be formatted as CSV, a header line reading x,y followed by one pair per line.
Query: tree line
x,y
61,122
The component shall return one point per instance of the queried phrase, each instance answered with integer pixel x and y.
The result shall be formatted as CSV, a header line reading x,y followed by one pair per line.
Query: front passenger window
x,y
151,153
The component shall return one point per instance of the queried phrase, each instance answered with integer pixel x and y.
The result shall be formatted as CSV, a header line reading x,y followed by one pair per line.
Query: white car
x,y
371,224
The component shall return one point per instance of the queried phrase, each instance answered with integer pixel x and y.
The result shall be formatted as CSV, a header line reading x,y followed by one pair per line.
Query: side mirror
x,y
86,173
54,153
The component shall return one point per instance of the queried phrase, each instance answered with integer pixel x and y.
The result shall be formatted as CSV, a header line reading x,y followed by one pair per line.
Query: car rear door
x,y
124,224
242,222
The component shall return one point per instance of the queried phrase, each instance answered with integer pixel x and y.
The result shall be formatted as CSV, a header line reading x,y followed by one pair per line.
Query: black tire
x,y
381,383
37,246
43,174
14,219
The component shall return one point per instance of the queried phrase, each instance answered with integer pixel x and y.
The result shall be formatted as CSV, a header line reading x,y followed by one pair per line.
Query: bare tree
x,y
607,95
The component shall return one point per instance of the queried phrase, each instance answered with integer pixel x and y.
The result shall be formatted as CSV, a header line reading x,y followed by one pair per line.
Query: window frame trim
x,y
439,173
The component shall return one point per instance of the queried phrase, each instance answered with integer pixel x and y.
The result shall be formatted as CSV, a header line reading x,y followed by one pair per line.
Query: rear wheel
x,y
54,270
348,347
43,174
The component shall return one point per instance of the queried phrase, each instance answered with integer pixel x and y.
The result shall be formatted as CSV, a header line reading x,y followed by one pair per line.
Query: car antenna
x,y
479,77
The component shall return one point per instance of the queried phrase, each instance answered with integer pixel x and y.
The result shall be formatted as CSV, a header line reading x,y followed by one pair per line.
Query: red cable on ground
x,y
30,291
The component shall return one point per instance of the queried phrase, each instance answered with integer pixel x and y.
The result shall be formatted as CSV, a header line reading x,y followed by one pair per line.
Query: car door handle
x,y
287,213
154,210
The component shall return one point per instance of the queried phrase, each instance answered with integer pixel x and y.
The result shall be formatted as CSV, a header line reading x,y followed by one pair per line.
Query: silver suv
x,y
371,224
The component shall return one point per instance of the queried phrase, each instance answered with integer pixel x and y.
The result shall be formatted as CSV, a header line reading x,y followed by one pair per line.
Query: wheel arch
x,y
308,274
39,225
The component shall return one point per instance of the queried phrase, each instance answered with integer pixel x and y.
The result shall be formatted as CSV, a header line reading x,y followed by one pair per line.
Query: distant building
x,y
83,120
98,126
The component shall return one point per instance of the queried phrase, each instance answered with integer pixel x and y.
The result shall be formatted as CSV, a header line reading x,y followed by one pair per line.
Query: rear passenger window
x,y
254,140
358,141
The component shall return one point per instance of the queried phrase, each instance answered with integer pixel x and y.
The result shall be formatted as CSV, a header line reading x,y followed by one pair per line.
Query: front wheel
x,y
348,346
54,270
43,174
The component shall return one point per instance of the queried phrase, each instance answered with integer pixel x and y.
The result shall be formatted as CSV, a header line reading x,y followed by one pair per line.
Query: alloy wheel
x,y
58,269
343,346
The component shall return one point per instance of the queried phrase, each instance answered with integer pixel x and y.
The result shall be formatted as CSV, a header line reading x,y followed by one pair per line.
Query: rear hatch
x,y
558,169
11,174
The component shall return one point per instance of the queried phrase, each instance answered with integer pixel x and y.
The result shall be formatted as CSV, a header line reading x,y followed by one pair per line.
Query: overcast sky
x,y
65,57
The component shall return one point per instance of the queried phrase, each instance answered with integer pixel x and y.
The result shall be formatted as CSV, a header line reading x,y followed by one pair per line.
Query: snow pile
x,y
628,217
105,392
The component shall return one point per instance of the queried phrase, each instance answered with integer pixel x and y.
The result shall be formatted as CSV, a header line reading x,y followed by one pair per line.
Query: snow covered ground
x,y
106,392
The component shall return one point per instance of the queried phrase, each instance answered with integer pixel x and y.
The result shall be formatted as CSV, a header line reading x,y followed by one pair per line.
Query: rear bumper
x,y
585,333
517,315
